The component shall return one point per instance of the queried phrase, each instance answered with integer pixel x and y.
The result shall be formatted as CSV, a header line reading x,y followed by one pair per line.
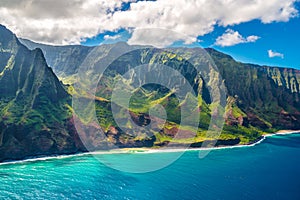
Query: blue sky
x,y
282,38
262,32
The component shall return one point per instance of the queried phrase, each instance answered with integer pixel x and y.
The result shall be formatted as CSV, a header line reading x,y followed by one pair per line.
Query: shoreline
x,y
284,132
149,150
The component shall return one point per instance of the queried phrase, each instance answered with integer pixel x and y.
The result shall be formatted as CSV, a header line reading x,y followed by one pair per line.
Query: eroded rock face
x,y
36,120
64,60
259,89
34,117
288,78
20,142
261,93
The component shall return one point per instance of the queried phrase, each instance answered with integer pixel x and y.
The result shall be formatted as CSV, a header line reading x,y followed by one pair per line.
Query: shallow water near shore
x,y
269,170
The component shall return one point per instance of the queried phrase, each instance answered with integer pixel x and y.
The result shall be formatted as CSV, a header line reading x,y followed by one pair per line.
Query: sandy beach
x,y
149,150
282,132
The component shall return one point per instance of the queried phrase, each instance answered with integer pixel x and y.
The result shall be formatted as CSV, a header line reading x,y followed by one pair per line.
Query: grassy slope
x,y
264,101
144,98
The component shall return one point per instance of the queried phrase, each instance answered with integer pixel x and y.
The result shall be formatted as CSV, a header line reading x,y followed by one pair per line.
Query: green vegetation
x,y
36,112
34,106
252,109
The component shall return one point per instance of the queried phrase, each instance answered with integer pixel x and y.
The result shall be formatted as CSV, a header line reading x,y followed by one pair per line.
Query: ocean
x,y
269,170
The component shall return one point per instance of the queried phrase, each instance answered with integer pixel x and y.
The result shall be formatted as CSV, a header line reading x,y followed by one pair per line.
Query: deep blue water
x,y
270,170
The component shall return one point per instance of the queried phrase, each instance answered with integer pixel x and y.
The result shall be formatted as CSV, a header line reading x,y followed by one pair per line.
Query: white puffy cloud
x,y
231,38
273,54
57,21
158,37
110,37
71,21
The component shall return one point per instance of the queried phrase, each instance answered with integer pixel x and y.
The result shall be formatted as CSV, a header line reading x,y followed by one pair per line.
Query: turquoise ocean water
x,y
269,170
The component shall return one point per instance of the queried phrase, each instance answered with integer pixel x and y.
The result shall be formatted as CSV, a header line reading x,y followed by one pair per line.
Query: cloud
x,y
273,54
56,21
109,37
72,21
158,37
231,38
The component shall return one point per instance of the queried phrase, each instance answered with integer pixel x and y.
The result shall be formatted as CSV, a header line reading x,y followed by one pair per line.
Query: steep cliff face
x,y
268,95
259,98
288,78
64,60
35,119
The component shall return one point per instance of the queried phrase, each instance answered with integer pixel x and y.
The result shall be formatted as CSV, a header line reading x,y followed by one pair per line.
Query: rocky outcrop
x,y
283,77
208,144
64,60
268,97
35,119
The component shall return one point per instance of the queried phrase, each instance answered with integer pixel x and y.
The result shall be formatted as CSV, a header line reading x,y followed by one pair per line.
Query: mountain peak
x,y
32,103
5,33
218,54
8,40
2,27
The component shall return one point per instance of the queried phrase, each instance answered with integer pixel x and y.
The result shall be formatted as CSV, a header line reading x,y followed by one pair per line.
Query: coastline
x,y
143,150
285,132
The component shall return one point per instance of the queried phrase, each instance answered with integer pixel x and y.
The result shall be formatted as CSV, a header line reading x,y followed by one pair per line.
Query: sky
x,y
264,32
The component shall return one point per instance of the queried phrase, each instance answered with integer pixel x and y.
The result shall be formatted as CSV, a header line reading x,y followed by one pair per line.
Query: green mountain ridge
x,y
62,59
257,90
270,94
36,113
33,104
260,98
